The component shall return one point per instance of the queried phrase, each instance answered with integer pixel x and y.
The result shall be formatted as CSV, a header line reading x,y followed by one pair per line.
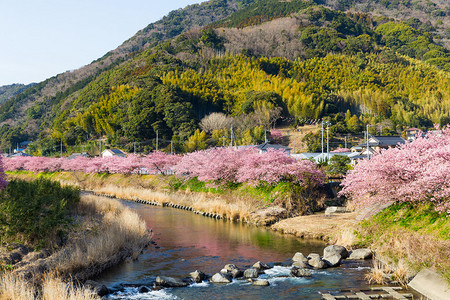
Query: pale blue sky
x,y
42,38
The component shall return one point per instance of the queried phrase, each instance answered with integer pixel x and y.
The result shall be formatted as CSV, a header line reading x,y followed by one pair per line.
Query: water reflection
x,y
186,242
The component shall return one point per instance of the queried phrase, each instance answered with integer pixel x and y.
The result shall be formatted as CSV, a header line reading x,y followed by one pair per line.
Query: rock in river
x,y
333,260
300,264
230,267
170,282
251,273
260,266
99,289
300,272
300,257
221,278
317,263
197,276
335,249
363,253
260,282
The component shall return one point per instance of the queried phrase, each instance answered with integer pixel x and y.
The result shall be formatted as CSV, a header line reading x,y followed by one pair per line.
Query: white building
x,y
113,152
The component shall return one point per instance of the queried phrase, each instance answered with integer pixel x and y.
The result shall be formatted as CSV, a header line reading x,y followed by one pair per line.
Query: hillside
x,y
9,91
254,60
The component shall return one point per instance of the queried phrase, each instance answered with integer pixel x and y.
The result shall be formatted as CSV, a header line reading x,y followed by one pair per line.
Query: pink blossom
x,y
416,172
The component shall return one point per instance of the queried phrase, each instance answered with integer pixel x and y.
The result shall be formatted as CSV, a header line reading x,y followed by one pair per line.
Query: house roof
x,y
386,140
267,145
75,155
25,143
115,151
20,154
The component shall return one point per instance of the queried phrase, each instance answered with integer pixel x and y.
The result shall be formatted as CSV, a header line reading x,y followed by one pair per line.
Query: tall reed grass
x,y
115,233
14,287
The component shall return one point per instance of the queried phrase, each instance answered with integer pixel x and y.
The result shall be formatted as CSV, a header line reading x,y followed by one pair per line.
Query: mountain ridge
x,y
69,106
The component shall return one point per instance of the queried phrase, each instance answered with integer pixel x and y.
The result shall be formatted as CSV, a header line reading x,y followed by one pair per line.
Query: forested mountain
x,y
12,90
251,60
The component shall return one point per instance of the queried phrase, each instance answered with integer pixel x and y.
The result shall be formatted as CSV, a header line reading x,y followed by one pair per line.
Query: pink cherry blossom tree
x,y
416,172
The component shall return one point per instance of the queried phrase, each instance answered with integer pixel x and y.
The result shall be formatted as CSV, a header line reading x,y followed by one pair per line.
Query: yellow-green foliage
x,y
404,89
102,115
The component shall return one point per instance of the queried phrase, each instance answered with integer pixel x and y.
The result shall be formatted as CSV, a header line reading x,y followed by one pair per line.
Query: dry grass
x,y
377,274
121,233
382,273
55,289
229,206
326,227
346,237
14,287
409,252
109,233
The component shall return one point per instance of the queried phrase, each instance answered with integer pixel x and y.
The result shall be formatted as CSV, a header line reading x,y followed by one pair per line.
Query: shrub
x,y
35,211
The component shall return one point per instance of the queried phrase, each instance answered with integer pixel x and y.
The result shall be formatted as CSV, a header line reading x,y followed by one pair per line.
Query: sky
x,y
42,38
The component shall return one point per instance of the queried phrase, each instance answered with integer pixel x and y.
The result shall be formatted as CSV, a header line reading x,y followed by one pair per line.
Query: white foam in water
x,y
133,294
201,284
277,271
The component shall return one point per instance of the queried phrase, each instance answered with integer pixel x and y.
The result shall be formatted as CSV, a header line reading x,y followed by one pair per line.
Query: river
x,y
184,242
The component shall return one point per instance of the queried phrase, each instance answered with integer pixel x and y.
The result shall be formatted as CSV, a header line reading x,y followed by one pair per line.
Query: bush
x,y
35,212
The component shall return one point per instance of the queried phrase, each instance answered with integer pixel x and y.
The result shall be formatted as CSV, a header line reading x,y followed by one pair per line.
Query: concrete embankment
x,y
431,285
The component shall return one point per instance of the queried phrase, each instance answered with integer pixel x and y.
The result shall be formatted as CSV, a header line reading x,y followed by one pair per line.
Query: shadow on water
x,y
185,242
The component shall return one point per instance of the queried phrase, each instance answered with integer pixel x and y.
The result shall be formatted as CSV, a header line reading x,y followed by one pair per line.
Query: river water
x,y
184,242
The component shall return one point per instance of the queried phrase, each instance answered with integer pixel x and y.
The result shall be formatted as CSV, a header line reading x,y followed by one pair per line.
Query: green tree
x,y
339,164
196,141
354,124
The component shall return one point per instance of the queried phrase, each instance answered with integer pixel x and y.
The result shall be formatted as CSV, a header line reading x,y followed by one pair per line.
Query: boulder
x,y
300,272
197,276
362,253
251,273
170,282
221,278
317,263
100,289
236,273
313,255
299,257
300,264
230,267
333,260
143,289
335,249
261,282
260,266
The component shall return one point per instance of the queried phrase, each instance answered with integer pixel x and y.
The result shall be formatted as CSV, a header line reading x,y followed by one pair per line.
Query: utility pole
x,y
322,138
134,148
367,141
157,140
231,137
345,142
171,147
100,149
61,148
328,143
265,136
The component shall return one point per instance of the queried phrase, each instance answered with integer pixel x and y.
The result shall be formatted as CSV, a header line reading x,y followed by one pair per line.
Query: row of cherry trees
x,y
219,165
416,172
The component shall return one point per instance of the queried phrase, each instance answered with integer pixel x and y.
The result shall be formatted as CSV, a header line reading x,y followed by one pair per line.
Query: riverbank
x,y
102,233
246,205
